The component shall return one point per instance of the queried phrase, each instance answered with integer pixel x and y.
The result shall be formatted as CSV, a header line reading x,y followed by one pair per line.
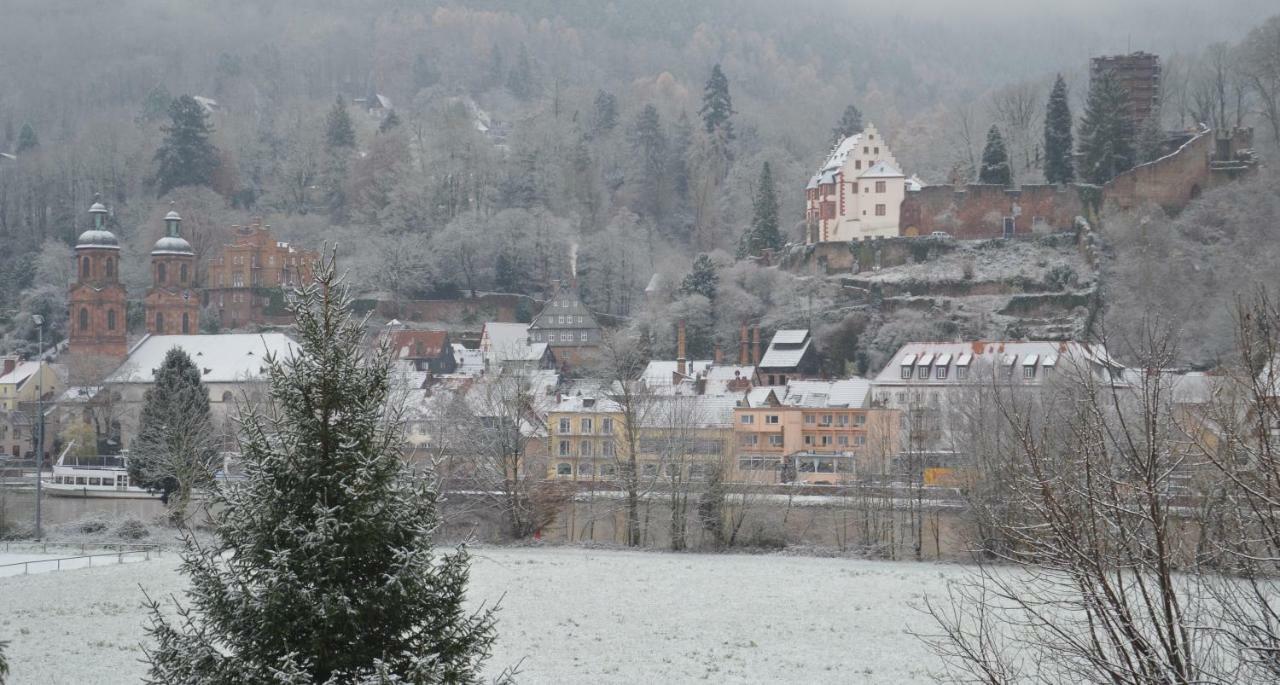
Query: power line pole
x,y
39,322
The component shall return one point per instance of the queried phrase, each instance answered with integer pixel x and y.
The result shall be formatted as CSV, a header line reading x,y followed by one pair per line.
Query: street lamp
x,y
39,322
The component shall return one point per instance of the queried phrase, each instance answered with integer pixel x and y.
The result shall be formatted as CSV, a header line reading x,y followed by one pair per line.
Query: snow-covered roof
x,y
840,152
223,358
20,373
914,183
882,169
1035,353
786,349
760,396
851,393
469,361
662,371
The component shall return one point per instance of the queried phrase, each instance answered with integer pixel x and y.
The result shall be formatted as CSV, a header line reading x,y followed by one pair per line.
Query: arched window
x,y
564,469
111,268
111,319
84,267
182,274
186,321
84,319
160,273
585,469
159,323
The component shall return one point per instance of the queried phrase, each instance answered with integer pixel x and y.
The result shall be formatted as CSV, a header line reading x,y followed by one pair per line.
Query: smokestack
x,y
680,359
755,345
719,354
742,344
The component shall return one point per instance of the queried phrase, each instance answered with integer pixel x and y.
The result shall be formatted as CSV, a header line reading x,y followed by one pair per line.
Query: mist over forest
x,y
594,131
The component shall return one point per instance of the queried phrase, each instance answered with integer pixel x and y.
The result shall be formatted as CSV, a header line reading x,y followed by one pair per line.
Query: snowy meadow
x,y
569,615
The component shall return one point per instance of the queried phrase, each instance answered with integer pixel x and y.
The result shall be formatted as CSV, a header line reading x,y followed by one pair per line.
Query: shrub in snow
x,y
132,529
322,568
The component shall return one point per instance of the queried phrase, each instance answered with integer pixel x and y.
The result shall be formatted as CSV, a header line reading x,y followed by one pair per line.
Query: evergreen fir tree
x,y
763,232
186,156
717,106
995,161
1106,131
702,279
4,663
1149,145
1059,164
322,568
850,124
156,105
605,118
175,450
520,80
649,143
389,122
338,129
27,140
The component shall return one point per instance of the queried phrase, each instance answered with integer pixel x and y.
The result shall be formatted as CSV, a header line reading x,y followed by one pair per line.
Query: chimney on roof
x,y
680,358
719,354
700,384
742,344
755,345
10,363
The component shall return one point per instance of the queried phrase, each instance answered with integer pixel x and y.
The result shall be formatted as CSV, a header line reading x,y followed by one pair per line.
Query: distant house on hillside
x,y
566,326
506,346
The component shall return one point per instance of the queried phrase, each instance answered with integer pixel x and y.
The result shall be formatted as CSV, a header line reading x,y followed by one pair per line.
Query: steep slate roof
x,y
564,303
786,349
223,358
408,344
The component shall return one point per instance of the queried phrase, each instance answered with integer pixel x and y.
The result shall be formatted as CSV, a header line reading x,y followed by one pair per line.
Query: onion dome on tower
x,y
97,298
173,306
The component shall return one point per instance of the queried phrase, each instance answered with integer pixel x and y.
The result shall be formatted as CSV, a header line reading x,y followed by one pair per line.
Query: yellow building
x,y
21,384
679,438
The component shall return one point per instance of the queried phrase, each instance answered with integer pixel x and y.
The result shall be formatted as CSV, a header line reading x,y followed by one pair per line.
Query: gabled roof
x,y
882,169
564,302
407,344
20,373
787,349
223,358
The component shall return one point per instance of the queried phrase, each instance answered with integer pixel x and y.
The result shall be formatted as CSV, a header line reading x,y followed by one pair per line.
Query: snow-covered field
x,y
12,564
572,615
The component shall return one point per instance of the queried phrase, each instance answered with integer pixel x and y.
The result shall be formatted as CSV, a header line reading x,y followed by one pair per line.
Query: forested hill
x,y
596,134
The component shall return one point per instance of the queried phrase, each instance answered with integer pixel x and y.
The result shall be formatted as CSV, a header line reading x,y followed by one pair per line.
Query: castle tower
x,y
97,299
172,305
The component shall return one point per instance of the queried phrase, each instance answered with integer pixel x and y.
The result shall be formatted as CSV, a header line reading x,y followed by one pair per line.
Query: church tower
x,y
173,307
97,299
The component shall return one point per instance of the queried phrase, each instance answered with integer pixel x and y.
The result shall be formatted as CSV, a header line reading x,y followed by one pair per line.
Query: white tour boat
x,y
93,477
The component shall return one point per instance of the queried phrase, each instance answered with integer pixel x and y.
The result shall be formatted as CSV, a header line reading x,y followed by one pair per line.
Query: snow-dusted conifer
x,y
995,161
322,569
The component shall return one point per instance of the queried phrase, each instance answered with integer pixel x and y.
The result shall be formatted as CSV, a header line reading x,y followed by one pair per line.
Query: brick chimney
x,y
680,358
755,345
743,355
10,363
719,354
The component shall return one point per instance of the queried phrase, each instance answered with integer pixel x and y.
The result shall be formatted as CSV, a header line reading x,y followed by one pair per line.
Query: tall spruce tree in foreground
x,y
995,161
323,569
176,448
186,156
717,106
763,232
1106,131
850,124
1059,166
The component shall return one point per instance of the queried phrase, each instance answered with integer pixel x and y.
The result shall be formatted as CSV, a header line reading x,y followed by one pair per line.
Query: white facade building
x,y
857,193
